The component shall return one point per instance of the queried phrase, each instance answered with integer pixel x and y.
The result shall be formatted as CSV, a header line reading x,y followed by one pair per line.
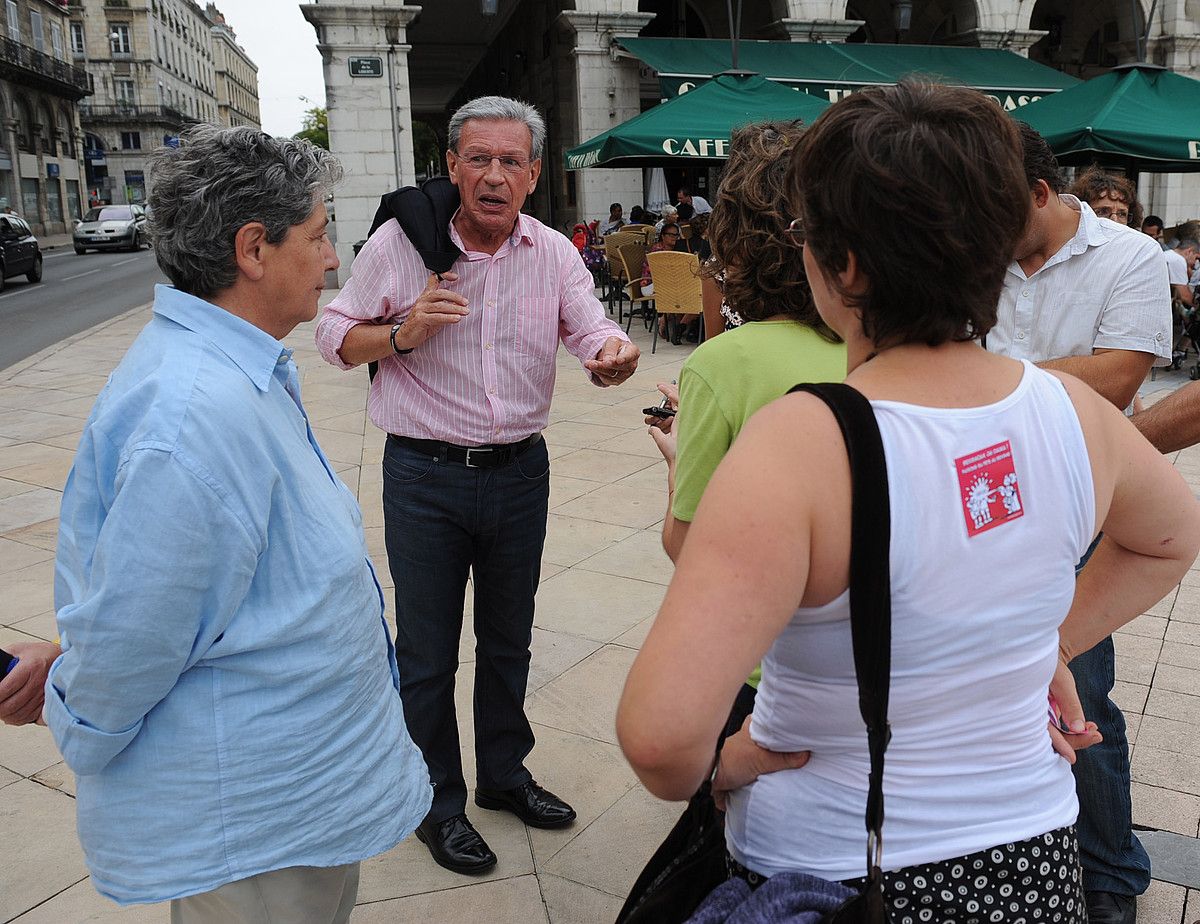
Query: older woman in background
x,y
1110,196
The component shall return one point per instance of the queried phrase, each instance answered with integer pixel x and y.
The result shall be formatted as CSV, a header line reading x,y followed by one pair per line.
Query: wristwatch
x,y
392,338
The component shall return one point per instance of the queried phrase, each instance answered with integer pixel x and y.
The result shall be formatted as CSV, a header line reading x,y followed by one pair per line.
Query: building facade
x,y
154,65
40,134
388,64
237,75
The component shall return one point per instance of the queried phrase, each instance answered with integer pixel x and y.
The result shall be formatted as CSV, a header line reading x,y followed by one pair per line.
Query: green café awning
x,y
831,71
1137,116
696,126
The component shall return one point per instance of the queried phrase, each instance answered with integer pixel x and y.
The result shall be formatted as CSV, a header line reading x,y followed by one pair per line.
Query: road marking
x,y
79,275
123,262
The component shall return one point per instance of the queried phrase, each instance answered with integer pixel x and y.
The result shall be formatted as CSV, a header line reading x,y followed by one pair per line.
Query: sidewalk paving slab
x,y
604,574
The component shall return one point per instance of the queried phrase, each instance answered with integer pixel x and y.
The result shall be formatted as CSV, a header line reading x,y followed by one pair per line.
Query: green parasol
x,y
695,126
1137,116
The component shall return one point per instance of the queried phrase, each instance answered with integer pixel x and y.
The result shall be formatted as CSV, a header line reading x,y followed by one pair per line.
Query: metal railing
x,y
36,62
130,113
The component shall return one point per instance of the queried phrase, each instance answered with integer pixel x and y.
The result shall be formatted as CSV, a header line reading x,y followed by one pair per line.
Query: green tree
x,y
316,127
427,149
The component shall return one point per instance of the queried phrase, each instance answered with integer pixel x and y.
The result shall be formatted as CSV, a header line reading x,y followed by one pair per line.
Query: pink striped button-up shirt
x,y
489,378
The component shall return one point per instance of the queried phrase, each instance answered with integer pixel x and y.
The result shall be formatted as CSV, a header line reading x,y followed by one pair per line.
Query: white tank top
x,y
991,507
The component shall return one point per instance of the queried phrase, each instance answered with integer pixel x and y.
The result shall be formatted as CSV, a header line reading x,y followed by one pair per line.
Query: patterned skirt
x,y
1035,881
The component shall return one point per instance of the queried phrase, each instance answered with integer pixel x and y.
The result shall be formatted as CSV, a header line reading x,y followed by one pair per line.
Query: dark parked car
x,y
19,250
117,226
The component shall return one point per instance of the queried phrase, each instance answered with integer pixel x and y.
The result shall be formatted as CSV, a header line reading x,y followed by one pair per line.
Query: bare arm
x,y
1114,374
1151,524
740,576
1184,294
1174,422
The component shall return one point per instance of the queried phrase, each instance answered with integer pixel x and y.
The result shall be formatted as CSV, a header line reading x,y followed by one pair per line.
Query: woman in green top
x,y
782,342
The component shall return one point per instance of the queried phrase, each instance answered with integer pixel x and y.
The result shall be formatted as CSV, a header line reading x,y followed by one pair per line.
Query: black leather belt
x,y
470,456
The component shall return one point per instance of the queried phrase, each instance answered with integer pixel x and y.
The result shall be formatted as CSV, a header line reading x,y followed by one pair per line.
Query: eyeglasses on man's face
x,y
481,161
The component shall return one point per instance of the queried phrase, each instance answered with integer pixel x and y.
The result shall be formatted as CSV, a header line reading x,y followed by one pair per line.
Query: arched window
x,y
49,133
25,126
68,133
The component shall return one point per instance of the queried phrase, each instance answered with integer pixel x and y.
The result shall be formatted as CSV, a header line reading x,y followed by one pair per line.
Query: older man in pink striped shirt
x,y
466,374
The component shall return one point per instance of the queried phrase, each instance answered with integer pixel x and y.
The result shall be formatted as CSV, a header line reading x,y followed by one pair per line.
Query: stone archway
x,y
933,22
1086,39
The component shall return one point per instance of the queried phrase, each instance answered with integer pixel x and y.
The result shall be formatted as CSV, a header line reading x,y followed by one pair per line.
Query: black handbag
x,y
687,866
690,863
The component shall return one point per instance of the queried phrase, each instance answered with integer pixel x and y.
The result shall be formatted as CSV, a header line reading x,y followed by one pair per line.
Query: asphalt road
x,y
76,292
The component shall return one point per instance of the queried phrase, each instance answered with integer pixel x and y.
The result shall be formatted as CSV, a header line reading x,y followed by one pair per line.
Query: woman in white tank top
x,y
1000,475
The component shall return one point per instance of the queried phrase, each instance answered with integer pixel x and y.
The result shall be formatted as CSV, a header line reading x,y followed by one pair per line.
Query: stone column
x,y
370,117
817,30
607,93
813,21
1018,41
1174,42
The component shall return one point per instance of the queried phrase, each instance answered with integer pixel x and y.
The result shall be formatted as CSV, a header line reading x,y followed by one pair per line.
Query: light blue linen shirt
x,y
228,693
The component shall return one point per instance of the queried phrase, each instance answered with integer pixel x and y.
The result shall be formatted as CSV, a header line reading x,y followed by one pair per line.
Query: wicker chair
x,y
633,256
676,287
616,279
646,231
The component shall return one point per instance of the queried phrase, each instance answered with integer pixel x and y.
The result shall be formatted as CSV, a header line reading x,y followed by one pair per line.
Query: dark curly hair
x,y
925,185
763,267
1094,182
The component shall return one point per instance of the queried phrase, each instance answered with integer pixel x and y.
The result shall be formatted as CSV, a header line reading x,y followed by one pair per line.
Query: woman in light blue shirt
x,y
227,693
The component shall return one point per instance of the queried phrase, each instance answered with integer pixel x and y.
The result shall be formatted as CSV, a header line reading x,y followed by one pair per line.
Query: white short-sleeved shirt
x,y
1106,288
1177,268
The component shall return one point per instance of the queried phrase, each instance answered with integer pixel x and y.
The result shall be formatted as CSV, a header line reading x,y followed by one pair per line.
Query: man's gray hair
x,y
1188,243
220,179
500,109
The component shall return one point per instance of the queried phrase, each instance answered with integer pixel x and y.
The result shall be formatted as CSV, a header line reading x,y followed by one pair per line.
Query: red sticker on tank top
x,y
991,494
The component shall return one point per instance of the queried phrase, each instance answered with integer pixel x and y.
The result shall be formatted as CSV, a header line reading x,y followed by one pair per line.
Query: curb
x,y
6,375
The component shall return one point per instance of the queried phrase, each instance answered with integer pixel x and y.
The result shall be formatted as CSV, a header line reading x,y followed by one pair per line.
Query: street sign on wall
x,y
366,66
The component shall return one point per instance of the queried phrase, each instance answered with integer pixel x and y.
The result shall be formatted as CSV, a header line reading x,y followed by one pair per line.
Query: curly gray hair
x,y
220,179
500,109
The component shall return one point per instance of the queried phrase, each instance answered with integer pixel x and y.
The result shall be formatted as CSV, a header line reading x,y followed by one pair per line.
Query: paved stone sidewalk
x,y
602,580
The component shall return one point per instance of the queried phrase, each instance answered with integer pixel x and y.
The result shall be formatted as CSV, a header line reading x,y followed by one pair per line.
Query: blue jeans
x,y
441,521
1113,859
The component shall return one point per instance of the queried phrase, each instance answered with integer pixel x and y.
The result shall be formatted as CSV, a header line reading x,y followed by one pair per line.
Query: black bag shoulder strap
x,y
870,584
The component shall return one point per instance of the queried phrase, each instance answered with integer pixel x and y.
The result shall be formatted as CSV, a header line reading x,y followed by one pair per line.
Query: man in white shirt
x,y
1179,268
1090,297
698,203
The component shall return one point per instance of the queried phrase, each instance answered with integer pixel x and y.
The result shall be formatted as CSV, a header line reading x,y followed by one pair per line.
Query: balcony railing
x,y
121,112
26,62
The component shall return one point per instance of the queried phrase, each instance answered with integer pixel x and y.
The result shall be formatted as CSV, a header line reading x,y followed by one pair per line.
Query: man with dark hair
x,y
698,203
1153,225
614,222
1089,297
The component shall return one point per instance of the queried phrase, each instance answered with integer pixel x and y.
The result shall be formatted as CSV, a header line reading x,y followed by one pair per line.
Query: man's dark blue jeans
x,y
1113,859
443,520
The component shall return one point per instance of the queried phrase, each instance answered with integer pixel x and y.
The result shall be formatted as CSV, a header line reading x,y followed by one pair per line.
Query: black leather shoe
x,y
537,807
454,844
1111,908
